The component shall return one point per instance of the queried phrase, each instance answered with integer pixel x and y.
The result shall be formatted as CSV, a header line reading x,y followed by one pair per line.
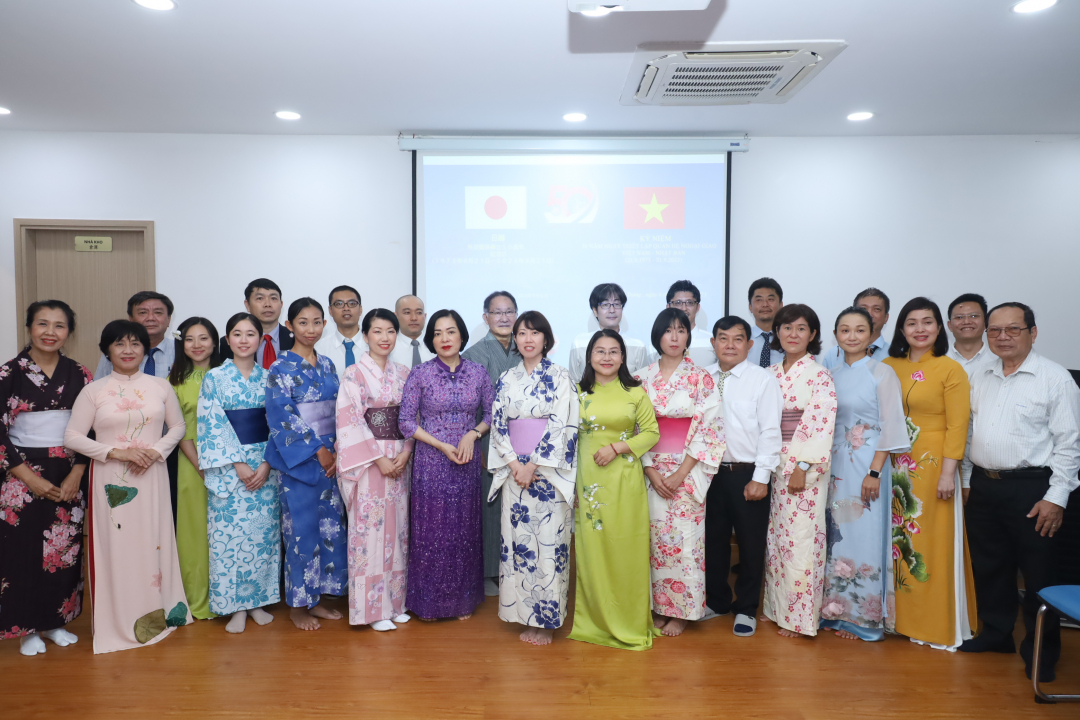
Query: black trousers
x,y
725,510
1003,540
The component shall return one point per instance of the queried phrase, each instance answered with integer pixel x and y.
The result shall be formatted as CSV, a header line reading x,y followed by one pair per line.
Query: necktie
x,y
766,354
150,368
269,356
720,385
415,352
350,359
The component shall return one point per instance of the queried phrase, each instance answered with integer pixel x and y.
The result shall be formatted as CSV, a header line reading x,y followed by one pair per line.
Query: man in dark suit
x,y
262,298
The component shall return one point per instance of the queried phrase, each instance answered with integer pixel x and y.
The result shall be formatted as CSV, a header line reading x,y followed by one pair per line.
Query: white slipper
x,y
403,618
383,625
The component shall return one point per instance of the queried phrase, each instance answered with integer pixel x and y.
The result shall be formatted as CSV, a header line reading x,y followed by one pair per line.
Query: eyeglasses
x,y
1011,331
972,316
338,304
503,313
613,354
605,306
682,304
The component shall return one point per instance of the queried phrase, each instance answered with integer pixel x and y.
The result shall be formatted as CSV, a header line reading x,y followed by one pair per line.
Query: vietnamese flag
x,y
654,208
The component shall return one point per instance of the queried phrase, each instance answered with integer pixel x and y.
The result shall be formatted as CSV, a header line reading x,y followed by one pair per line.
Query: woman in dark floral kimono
x,y
41,501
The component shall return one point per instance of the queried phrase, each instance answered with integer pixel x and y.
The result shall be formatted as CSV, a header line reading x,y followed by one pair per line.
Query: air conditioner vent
x,y
725,73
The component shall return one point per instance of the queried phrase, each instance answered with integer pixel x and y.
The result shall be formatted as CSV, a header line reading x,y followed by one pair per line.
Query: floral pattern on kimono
x,y
796,546
244,526
677,526
377,506
534,574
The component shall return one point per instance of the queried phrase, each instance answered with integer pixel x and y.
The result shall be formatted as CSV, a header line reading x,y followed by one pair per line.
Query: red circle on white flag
x,y
495,207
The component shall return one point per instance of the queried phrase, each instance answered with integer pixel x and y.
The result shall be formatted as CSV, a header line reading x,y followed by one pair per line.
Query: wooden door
x,y
95,284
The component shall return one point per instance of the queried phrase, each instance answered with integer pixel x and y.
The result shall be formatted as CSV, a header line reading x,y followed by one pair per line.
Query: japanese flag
x,y
495,208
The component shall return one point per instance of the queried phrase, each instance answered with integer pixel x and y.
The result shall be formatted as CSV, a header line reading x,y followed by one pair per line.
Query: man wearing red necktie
x,y
262,298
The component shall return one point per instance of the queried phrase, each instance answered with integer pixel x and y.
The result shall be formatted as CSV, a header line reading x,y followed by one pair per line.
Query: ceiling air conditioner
x,y
725,73
594,8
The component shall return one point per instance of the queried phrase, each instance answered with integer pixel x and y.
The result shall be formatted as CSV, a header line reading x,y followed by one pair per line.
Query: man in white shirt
x,y
343,344
410,350
684,295
606,302
967,323
154,312
738,499
876,303
766,298
1022,459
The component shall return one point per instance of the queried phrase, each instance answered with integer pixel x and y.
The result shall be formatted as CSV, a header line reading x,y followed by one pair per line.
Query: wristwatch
x,y
479,435
804,466
874,473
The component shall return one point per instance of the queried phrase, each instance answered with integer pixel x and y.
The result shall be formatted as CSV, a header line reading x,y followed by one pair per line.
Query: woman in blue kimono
x,y
243,514
301,397
870,424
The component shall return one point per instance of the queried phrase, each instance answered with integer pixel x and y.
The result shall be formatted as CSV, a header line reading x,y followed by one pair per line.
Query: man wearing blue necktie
x,y
154,312
766,298
344,345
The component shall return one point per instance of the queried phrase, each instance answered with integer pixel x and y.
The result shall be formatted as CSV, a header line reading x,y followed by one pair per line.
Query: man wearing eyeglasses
x,y
496,352
1022,459
684,295
607,301
344,345
967,323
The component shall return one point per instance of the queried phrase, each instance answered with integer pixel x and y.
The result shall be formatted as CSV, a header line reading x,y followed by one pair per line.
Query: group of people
x,y
386,459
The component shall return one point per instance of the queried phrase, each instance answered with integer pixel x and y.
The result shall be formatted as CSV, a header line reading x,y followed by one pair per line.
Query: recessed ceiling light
x,y
574,117
156,4
1030,6
4,111
860,116
287,115
601,10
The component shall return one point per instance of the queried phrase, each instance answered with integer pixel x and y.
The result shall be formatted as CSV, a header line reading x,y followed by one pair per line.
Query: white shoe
x,y
709,614
403,618
31,644
61,637
745,626
491,588
383,625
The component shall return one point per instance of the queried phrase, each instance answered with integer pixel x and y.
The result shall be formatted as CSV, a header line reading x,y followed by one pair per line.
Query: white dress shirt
x,y
1028,419
639,355
984,358
700,350
332,345
881,351
403,350
163,361
751,404
754,356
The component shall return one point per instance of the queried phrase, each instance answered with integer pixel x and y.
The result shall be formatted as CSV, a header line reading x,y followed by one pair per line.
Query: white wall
x,y
824,216
934,216
227,209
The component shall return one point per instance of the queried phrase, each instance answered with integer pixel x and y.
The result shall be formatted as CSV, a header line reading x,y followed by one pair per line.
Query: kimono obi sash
x,y
249,425
673,433
789,423
40,429
383,422
319,416
526,434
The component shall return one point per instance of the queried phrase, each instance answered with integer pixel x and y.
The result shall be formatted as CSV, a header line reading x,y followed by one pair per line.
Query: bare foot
x,y
542,636
674,627
788,633
320,612
762,618
528,635
846,635
261,617
660,621
303,619
464,617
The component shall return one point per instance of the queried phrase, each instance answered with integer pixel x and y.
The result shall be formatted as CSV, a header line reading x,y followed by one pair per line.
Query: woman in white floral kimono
x,y
680,469
533,459
373,475
795,560
243,511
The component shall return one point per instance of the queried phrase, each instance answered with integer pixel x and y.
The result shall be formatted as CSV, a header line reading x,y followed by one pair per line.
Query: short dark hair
x,y
535,320
603,292
872,292
854,310
588,378
264,283
729,321
499,293
379,314
666,319
970,298
789,314
767,283
182,366
300,303
239,318
683,286
342,288
120,329
429,331
900,346
142,296
1029,314
36,307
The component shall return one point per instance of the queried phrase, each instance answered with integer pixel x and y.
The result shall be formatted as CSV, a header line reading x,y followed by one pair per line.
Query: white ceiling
x,y
925,67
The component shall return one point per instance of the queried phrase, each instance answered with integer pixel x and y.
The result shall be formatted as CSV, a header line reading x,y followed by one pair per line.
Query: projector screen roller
x,y
549,228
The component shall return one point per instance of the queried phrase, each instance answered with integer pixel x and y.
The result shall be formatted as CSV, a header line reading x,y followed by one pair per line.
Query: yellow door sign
x,y
84,243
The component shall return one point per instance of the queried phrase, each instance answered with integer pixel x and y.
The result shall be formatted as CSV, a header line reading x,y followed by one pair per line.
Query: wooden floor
x,y
478,668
